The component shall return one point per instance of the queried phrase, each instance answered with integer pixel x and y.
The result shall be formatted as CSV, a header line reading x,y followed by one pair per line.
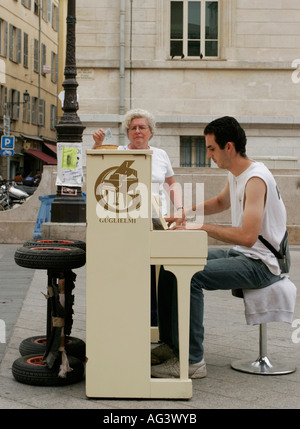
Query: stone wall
x,y
17,225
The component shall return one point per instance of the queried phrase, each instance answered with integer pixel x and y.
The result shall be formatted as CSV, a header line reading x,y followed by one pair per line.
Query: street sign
x,y
7,142
7,152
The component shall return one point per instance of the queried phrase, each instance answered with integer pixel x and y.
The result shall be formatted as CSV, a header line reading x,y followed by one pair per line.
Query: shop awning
x,y
34,138
43,156
51,147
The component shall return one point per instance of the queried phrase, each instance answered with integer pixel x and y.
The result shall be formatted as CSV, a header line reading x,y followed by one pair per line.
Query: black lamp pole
x,y
69,205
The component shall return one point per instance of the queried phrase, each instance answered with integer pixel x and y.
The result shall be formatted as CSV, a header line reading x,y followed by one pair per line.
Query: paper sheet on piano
x,y
159,221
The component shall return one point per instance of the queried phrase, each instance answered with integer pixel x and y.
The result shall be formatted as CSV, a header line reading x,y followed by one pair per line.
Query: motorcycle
x,y
11,196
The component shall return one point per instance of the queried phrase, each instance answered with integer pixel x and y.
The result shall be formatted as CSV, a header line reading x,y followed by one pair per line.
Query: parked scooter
x,y
10,196
28,189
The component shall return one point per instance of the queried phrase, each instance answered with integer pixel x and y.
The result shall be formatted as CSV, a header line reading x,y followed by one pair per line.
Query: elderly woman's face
x,y
139,133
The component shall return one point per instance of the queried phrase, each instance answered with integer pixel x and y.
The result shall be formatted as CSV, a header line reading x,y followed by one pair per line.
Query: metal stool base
x,y
262,366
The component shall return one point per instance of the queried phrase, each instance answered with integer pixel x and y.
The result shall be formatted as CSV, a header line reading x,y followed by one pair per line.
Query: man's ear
x,y
230,145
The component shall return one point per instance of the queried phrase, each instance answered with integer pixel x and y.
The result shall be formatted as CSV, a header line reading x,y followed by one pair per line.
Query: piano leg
x,y
183,274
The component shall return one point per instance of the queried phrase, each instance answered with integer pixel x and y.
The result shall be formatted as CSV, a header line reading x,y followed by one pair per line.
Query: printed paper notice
x,y
69,158
69,164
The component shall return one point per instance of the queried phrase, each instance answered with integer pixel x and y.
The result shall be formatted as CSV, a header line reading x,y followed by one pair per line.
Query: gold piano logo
x,y
120,194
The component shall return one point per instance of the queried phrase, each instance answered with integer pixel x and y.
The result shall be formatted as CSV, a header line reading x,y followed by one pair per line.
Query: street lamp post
x,y
69,206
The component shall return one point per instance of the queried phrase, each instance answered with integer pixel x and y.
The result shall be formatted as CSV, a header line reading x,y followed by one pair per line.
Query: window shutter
x,y
57,18
41,113
48,10
19,45
36,56
5,39
33,110
17,105
11,44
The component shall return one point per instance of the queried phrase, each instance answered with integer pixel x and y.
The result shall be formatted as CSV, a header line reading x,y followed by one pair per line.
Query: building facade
x,y
29,38
189,62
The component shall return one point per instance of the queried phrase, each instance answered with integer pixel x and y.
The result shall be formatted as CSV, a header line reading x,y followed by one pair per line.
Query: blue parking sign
x,y
7,142
7,152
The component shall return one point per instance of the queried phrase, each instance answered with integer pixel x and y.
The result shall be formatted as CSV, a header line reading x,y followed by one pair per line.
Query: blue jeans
x,y
226,270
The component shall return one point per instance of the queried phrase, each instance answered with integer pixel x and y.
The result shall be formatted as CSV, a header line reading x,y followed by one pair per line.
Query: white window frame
x,y
202,36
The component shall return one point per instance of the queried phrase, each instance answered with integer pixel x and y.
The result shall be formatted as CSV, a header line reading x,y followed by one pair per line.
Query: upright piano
x,y
121,246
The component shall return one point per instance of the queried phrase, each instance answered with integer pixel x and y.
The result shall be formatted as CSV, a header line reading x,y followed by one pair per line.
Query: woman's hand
x,y
98,137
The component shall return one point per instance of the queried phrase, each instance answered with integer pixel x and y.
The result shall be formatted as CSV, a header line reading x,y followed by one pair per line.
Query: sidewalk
x,y
227,338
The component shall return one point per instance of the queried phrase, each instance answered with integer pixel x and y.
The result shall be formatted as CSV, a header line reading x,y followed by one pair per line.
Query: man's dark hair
x,y
227,129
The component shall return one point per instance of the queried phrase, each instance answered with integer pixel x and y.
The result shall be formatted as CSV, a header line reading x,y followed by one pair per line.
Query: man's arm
x,y
211,206
254,203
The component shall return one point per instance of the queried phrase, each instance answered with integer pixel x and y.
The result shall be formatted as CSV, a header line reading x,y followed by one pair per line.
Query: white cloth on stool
x,y
274,303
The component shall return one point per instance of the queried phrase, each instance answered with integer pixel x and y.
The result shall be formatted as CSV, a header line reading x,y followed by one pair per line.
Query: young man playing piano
x,y
256,209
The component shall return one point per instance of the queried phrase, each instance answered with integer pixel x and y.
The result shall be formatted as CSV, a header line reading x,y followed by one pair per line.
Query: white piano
x,y
121,246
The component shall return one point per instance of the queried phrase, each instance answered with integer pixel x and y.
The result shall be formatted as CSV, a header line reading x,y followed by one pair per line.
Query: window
x,y
54,67
14,44
37,111
194,29
3,101
36,7
43,59
46,8
3,38
53,120
193,152
26,3
14,104
41,118
36,56
26,112
55,17
34,112
25,50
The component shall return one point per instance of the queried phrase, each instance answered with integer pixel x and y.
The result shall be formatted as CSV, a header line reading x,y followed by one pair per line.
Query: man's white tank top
x,y
273,225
